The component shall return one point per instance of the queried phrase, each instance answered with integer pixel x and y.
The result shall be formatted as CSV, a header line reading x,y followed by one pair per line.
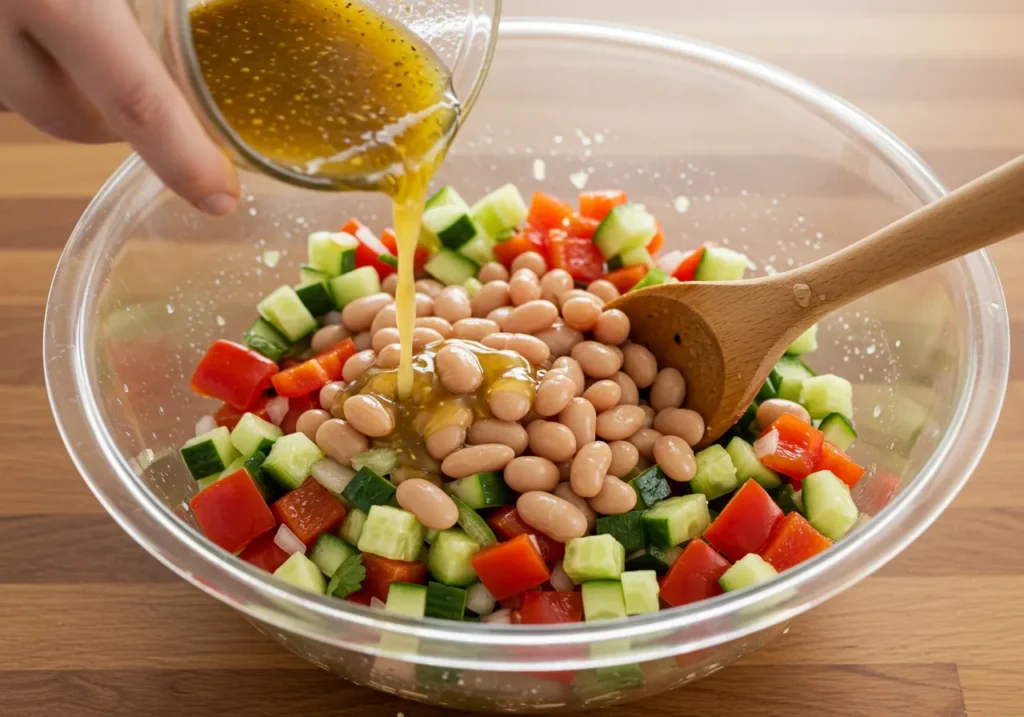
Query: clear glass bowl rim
x,y
710,622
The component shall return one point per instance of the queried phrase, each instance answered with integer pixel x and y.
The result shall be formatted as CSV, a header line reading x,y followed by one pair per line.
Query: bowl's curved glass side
x,y
763,164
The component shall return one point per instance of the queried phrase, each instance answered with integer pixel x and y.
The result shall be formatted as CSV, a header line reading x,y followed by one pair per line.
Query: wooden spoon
x,y
725,337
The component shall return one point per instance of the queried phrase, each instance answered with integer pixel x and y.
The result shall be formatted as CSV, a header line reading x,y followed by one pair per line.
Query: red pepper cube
x,y
580,257
528,240
694,575
229,416
308,511
687,268
232,512
371,251
793,542
746,522
841,465
509,568
627,277
381,572
551,608
548,212
506,524
333,359
299,380
596,205
233,373
790,446
296,407
264,553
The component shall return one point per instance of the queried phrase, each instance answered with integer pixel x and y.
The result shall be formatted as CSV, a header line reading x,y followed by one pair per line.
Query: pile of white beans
x,y
602,406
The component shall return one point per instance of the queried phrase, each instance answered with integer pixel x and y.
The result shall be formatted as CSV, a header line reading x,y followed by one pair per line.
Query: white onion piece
x,y
332,475
560,580
377,602
205,424
479,599
500,617
287,541
766,444
277,409
670,261
536,543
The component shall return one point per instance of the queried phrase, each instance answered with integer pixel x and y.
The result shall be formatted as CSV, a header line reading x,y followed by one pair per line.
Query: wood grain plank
x,y
25,277
992,689
39,223
22,327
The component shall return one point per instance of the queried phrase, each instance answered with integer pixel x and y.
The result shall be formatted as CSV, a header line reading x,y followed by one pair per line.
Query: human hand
x,y
82,70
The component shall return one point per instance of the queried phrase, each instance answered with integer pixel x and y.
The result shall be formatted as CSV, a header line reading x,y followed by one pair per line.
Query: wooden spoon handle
x,y
987,210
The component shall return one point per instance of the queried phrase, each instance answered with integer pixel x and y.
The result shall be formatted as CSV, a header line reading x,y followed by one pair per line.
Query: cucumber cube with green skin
x,y
653,277
625,528
640,589
594,557
300,571
209,454
805,343
251,433
263,338
475,526
626,226
828,505
746,572
825,394
788,376
354,285
838,430
333,253
352,527
449,559
407,599
450,267
391,533
789,499
285,311
381,461
316,297
650,487
504,208
445,602
748,467
653,558
676,520
329,552
720,264
603,600
452,226
291,459
481,490
367,489
446,196
716,474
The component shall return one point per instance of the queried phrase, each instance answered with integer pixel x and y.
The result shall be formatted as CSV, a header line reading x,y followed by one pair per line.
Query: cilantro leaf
x,y
348,577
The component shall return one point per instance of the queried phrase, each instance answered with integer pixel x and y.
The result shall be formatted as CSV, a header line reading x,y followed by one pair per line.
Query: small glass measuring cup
x,y
462,33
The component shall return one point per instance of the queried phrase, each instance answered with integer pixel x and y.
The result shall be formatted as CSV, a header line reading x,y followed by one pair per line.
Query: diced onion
x,y
501,617
560,580
767,444
479,599
287,541
536,543
277,409
332,475
670,261
377,602
205,424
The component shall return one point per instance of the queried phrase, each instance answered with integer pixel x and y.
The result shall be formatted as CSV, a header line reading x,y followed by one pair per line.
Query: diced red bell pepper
x,y
551,608
389,240
299,380
360,597
233,373
232,512
526,240
687,268
371,250
694,575
514,602
506,524
333,359
596,205
657,241
582,227
296,407
229,416
793,542
745,523
790,446
547,212
264,553
509,568
308,511
835,460
627,277
577,256
381,572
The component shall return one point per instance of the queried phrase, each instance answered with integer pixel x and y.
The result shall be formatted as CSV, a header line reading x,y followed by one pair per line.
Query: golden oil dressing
x,y
333,89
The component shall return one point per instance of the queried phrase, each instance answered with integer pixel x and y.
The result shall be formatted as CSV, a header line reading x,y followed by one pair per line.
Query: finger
x,y
106,55
32,85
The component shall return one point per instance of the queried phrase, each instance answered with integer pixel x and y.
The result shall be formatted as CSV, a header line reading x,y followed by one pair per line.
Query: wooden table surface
x,y
91,625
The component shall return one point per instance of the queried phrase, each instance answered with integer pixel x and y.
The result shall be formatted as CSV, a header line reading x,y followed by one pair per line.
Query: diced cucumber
x,y
407,599
475,526
446,196
805,342
204,483
445,602
631,257
653,558
504,208
333,253
676,520
789,375
721,264
430,535
265,339
789,499
309,274
209,454
450,267
716,474
352,527
653,277
381,461
367,489
232,467
650,487
472,286
269,488
452,226
291,459
603,600
746,427
594,557
838,430
625,528
626,227
449,559
285,311
391,533
640,589
329,552
480,249
828,505
481,490
316,297
300,571
251,432
767,391
748,467
746,572
354,285
825,394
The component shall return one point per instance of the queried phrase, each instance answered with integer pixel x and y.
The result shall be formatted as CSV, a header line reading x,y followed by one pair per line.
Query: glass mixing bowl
x,y
721,148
